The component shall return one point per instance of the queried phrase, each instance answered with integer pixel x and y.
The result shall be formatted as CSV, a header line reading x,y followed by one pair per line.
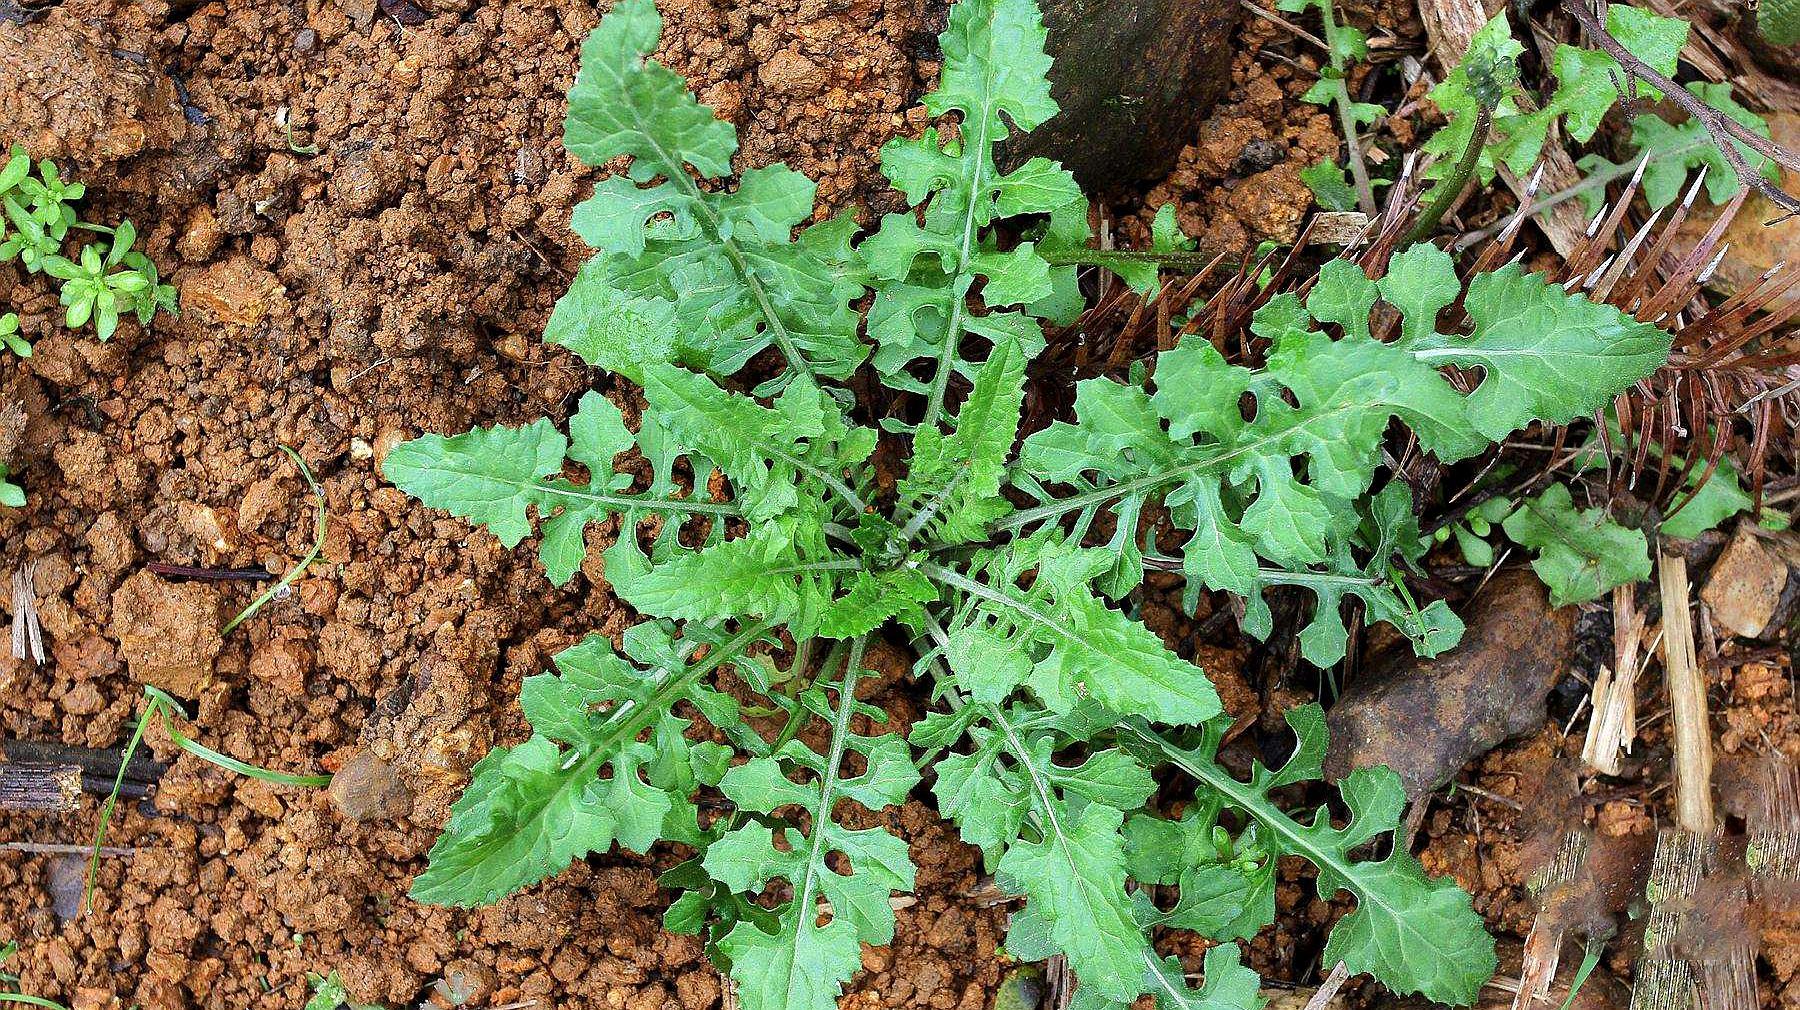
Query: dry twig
x,y
27,634
1687,701
1542,954
1720,127
1329,988
63,849
53,787
1614,723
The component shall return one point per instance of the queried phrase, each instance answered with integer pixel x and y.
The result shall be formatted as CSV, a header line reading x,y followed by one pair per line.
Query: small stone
x,y
1745,585
283,664
789,72
385,440
64,883
260,501
203,525
305,39
111,548
368,788
362,181
236,292
1259,155
202,236
1338,227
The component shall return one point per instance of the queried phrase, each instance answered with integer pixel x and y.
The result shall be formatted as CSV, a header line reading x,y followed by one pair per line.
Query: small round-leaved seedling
x,y
11,338
104,286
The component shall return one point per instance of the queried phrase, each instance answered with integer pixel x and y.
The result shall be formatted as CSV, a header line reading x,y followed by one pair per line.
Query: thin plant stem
x,y
161,704
319,526
1359,170
112,801
28,1000
1451,190
226,761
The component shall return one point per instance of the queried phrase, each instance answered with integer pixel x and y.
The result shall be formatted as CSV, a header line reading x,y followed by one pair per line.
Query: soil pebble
x,y
367,788
1745,585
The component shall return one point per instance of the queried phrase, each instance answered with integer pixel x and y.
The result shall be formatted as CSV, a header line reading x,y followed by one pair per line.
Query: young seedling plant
x,y
159,706
10,338
753,529
102,283
329,993
9,984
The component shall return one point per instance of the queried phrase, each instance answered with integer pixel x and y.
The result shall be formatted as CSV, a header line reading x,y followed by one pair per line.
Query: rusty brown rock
x,y
168,632
1134,79
1745,585
1427,718
424,729
367,789
236,292
283,663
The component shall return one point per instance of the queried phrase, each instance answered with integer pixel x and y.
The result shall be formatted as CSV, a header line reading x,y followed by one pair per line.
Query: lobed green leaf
x,y
584,779
493,476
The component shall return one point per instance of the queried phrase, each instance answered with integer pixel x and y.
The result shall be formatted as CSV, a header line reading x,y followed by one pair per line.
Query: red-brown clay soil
x,y
365,206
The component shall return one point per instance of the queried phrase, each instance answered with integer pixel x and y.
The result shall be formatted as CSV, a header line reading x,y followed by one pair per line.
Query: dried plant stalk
x,y
1663,980
1774,851
1543,945
1687,701
32,786
27,634
1613,725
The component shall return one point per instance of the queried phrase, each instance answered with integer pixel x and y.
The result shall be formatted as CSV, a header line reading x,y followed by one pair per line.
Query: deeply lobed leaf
x,y
493,476
803,964
1052,833
713,275
1414,933
584,779
1062,641
1278,481
994,76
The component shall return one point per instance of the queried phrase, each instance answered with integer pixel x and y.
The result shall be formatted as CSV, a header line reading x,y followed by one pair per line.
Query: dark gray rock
x,y
1135,78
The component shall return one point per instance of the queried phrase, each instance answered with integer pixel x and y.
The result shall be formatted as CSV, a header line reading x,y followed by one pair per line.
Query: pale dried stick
x,y
1687,701
1614,723
27,633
